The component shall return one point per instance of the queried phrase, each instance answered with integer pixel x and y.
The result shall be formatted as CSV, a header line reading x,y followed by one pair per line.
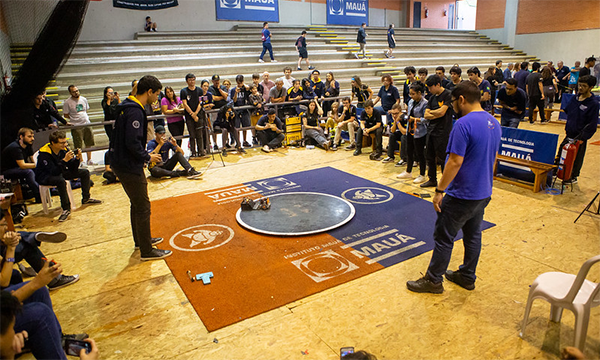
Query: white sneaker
x,y
261,61
273,60
420,179
90,162
404,175
266,149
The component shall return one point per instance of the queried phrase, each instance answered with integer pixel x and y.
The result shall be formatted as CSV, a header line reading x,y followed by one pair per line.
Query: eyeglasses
x,y
395,113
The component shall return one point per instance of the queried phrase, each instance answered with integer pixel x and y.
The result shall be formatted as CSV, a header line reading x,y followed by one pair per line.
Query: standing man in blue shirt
x,y
391,42
302,52
266,41
361,39
467,182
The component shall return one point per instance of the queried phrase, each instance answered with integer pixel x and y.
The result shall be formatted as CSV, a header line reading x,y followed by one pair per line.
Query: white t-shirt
x,y
77,110
287,83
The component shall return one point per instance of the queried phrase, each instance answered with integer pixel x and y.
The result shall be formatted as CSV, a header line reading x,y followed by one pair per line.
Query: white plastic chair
x,y
567,291
46,197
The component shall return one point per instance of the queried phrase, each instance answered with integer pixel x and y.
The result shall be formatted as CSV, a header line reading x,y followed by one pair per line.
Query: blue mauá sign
x,y
248,10
347,12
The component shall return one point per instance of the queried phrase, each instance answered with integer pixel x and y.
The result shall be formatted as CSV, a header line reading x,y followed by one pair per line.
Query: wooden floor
x,y
136,310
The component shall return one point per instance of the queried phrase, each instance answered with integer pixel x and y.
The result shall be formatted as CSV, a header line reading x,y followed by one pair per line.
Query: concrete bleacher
x,y
170,55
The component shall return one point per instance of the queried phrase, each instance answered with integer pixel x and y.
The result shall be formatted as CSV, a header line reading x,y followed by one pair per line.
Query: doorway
x,y
417,15
451,16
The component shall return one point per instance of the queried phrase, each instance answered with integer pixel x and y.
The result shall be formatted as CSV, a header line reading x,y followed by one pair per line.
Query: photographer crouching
x,y
162,145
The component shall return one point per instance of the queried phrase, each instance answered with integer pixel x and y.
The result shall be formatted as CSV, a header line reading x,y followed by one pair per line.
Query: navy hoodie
x,y
50,164
128,144
582,118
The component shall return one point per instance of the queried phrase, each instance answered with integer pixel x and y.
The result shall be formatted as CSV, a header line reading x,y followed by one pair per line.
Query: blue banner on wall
x,y
528,145
347,12
144,4
248,10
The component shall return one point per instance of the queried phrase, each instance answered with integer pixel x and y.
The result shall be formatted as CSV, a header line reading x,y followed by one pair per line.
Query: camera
x,y
76,152
73,347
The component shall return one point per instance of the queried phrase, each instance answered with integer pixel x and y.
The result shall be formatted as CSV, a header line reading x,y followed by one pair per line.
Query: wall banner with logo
x,y
145,4
528,145
347,12
248,10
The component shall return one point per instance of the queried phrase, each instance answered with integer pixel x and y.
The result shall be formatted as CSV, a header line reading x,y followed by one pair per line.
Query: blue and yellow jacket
x,y
50,164
128,143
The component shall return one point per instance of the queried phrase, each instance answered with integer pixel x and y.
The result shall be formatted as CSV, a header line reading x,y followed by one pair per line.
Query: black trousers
x,y
59,181
393,145
166,169
197,135
378,139
176,129
270,138
536,101
436,153
136,188
578,163
415,148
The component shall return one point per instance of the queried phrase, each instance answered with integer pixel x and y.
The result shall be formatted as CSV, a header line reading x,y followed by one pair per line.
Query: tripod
x,y
587,208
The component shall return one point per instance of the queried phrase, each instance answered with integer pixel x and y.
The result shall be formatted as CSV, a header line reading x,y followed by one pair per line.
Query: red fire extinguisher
x,y
567,158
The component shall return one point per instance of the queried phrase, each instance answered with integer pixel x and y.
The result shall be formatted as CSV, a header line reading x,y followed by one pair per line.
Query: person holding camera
x,y
240,96
269,130
163,146
370,123
56,164
226,120
28,321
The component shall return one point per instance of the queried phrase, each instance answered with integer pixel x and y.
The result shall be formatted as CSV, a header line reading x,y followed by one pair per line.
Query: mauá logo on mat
x,y
276,184
367,195
201,237
324,265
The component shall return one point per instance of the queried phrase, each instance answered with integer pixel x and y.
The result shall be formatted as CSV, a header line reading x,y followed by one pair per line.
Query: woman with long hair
x,y
332,89
109,105
171,105
361,91
550,86
312,128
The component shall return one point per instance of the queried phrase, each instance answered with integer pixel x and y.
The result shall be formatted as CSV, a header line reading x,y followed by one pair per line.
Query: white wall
x,y
568,46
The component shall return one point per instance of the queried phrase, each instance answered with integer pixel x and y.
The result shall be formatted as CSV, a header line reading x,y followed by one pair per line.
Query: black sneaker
x,y
388,159
224,152
241,150
334,147
216,148
245,144
574,180
51,237
91,201
424,285
27,271
375,156
429,183
193,174
400,163
62,280
357,152
351,147
156,254
457,278
311,67
228,146
64,215
154,241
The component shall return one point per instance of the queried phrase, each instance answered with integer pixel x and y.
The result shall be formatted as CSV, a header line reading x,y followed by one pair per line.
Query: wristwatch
x,y
438,191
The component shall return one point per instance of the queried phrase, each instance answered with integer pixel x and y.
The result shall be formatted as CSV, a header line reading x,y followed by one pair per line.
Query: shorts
x,y
391,45
302,53
242,119
84,134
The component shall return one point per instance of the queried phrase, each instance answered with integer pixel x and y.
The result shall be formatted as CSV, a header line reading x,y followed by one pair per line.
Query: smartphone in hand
x,y
73,347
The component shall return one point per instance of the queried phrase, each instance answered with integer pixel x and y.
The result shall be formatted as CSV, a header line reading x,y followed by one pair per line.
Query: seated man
x,y
226,121
44,113
18,246
17,161
161,145
55,164
513,101
27,314
269,130
397,133
348,122
370,123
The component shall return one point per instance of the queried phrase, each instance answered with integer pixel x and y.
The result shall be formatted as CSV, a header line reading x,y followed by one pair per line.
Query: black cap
x,y
160,129
216,77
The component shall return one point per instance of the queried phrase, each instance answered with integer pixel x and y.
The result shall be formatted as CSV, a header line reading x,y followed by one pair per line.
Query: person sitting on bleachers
x,y
307,91
288,80
348,121
388,94
17,161
226,120
295,94
312,127
332,89
269,131
370,123
18,246
44,114
150,26
163,145
278,92
267,85
317,85
55,164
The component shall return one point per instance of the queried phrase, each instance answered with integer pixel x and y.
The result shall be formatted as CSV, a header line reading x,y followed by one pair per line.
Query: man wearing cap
x,y
317,85
218,91
161,144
